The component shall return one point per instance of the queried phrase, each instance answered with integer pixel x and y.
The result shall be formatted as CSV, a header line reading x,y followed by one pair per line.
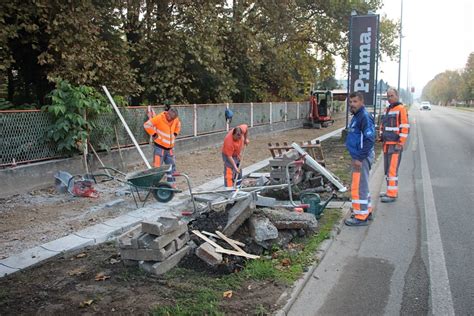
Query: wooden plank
x,y
236,253
238,243
272,151
278,148
198,233
230,241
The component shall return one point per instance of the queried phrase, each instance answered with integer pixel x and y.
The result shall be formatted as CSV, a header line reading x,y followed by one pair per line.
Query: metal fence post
x,y
195,119
251,114
271,113
226,121
286,111
298,110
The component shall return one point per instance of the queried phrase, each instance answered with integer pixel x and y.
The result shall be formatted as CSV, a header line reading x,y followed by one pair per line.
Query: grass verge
x,y
202,294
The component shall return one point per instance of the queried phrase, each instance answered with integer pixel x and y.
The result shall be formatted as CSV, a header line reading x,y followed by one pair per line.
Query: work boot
x,y
382,194
352,221
370,217
388,199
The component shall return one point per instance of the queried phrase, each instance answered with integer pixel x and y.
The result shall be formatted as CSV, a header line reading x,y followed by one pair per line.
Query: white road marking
x,y
441,297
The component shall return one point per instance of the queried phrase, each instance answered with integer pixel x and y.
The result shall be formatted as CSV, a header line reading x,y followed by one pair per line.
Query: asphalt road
x,y
417,256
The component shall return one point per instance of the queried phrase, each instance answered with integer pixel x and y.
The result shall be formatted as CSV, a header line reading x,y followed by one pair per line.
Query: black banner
x,y
364,34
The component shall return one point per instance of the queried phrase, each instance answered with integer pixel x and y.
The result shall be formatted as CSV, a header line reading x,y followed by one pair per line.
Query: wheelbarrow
x,y
149,180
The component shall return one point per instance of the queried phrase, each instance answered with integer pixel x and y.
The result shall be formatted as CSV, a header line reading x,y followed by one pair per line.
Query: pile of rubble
x,y
155,246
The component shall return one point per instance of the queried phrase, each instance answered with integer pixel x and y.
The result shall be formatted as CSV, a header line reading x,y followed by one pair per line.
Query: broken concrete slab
x,y
28,258
238,214
181,240
208,254
159,268
163,225
261,228
283,219
67,243
128,239
148,254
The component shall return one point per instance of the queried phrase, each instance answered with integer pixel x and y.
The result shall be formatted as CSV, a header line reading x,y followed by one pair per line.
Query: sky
x,y
438,36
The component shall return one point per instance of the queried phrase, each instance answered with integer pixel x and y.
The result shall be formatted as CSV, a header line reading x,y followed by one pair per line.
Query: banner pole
x,y
349,71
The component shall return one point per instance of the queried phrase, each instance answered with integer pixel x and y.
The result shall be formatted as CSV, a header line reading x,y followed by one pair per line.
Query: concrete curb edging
x,y
107,230
296,289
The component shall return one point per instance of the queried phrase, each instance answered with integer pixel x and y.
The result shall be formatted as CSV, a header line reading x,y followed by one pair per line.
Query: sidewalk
x,y
364,271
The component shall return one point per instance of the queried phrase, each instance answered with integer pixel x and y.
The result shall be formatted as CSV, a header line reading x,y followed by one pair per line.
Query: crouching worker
x,y
164,128
360,144
234,142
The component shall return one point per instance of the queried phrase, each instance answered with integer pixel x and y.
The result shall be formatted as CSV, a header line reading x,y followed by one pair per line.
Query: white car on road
x,y
425,105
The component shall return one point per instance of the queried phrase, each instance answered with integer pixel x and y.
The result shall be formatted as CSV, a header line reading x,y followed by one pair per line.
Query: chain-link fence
x,y
23,133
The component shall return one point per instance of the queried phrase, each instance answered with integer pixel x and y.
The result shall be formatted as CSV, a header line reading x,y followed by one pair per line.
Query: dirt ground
x,y
94,281
31,219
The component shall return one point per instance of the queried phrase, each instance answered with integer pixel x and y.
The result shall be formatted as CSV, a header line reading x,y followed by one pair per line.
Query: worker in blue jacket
x,y
360,144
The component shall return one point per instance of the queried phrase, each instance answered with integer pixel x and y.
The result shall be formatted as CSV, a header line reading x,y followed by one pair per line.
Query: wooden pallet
x,y
314,150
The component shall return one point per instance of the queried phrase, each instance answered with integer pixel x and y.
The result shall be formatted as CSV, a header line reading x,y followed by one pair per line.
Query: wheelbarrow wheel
x,y
161,195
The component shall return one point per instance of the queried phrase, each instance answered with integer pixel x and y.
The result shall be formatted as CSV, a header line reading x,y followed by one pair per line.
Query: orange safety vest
x,y
394,127
166,131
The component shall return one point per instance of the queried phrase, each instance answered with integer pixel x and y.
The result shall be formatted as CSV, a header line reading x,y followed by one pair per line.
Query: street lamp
x,y
400,48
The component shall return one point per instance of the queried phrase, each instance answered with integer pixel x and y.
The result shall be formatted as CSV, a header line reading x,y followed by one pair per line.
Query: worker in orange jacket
x,y
164,128
394,130
234,142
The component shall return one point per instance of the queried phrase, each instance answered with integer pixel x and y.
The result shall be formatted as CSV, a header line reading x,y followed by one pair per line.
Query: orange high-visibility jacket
x,y
165,131
394,127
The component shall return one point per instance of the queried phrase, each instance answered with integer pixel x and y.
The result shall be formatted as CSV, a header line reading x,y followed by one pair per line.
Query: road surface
x,y
417,256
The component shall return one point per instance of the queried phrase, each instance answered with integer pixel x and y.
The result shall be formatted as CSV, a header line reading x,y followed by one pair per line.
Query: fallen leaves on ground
x,y
86,303
227,294
101,276
77,271
285,262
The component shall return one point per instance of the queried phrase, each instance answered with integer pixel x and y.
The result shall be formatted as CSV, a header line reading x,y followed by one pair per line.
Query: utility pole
x,y
400,49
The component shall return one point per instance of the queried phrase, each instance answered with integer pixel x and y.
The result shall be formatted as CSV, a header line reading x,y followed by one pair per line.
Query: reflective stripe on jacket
x,y
394,127
166,131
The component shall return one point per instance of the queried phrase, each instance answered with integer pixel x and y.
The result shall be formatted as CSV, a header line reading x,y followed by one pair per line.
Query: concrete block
x,y
67,243
148,254
181,240
99,232
154,242
265,201
163,225
28,258
4,270
284,219
238,214
125,241
261,228
159,268
208,254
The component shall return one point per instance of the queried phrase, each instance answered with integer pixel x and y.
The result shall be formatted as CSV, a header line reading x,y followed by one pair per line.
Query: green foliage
x,y
183,51
72,107
451,86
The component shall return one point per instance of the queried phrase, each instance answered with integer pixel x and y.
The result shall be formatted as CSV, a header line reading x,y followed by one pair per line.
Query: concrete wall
x,y
37,175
